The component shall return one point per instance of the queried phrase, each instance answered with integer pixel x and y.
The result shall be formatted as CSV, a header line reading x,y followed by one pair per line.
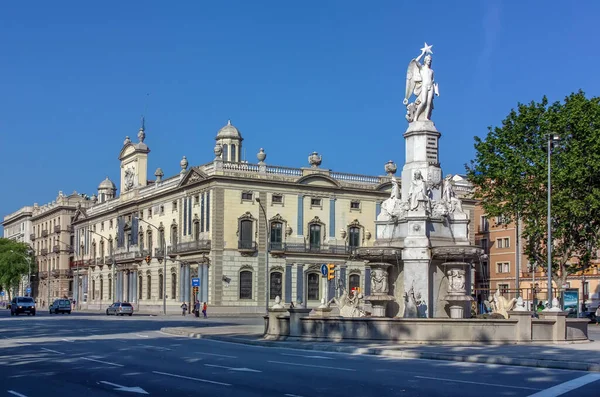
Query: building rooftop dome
x,y
229,131
107,184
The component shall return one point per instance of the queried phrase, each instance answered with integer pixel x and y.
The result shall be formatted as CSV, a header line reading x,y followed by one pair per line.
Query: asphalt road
x,y
95,355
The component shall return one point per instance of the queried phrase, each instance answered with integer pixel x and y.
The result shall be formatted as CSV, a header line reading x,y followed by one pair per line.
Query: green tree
x,y
14,264
509,174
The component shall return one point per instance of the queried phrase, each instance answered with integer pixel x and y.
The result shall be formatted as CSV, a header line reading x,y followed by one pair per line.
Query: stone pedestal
x,y
457,296
295,323
523,333
380,289
559,329
274,327
415,256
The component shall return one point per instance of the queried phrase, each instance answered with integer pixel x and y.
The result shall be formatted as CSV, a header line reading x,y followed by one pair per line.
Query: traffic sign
x,y
1,293
196,282
324,269
28,290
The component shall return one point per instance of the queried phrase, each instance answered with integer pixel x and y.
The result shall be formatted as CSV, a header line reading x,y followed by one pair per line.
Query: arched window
x,y
246,234
233,153
102,249
148,287
173,236
246,284
173,285
149,240
101,297
312,287
110,288
225,152
140,285
110,246
196,231
160,286
276,235
353,282
354,237
315,236
275,285
93,289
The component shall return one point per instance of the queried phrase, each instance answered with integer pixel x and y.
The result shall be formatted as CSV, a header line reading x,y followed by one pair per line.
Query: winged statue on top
x,y
421,83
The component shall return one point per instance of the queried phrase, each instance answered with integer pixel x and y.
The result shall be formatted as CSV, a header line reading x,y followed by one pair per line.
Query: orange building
x,y
498,239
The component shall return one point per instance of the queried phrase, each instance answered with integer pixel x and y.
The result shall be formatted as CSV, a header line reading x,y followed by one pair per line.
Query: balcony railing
x,y
317,248
44,251
44,233
56,249
32,236
247,246
44,274
128,255
56,228
192,246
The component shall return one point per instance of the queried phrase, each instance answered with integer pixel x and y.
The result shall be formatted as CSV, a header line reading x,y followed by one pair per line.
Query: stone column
x,y
181,282
416,258
457,297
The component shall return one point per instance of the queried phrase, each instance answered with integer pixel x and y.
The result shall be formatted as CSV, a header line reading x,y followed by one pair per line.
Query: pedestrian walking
x,y
183,309
597,314
204,307
197,308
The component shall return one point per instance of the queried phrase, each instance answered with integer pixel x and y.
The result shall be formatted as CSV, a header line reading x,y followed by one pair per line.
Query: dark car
x,y
60,306
22,304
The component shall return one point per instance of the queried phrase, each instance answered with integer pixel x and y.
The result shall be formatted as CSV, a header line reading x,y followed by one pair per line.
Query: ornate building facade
x,y
17,226
203,233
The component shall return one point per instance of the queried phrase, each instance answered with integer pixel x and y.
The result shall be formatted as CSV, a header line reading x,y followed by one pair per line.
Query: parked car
x,y
60,306
120,309
22,304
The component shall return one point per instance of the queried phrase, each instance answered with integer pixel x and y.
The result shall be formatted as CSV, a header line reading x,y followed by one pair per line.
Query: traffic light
x,y
330,271
148,259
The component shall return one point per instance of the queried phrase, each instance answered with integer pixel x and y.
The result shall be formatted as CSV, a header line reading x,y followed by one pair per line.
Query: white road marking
x,y
567,386
132,389
51,351
190,378
477,383
232,368
67,340
312,366
14,393
302,355
217,355
141,335
101,362
292,395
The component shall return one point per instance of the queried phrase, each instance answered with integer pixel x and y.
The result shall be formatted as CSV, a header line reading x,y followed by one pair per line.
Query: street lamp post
x,y
551,139
164,245
266,254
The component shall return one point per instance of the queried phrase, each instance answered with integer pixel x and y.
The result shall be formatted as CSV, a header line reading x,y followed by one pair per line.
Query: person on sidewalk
x,y
204,307
183,308
597,314
197,309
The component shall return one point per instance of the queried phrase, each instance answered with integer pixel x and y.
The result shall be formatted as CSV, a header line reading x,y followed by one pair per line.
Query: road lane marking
x,y
315,366
232,368
190,378
141,335
14,393
477,383
567,386
51,351
302,355
217,355
102,362
292,395
129,389
67,340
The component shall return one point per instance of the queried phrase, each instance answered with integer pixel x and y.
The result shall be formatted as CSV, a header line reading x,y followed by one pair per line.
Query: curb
x,y
475,358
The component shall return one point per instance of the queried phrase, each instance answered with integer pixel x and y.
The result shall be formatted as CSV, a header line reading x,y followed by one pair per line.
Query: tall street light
x,y
28,259
551,139
164,246
113,264
266,254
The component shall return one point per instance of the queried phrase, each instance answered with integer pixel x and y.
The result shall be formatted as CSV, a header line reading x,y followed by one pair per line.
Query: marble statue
x,y
379,280
417,192
500,304
414,305
456,280
129,178
395,189
452,202
347,304
393,207
520,305
420,82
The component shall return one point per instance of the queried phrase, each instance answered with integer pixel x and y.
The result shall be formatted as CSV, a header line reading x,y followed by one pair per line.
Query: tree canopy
x,y
13,263
510,169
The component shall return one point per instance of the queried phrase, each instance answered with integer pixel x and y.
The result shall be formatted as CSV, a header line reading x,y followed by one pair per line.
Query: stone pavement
x,y
573,356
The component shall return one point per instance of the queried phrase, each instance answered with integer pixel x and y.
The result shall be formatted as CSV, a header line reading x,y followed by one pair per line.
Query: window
x,y
101,226
501,220
225,154
93,289
276,286
355,205
354,282
246,284
312,286
233,153
484,225
315,236
160,286
101,289
162,210
174,206
484,244
149,239
173,285
148,287
161,240
503,267
354,237
277,199
276,235
246,234
500,243
503,288
315,202
110,224
196,231
149,213
506,242
110,289
247,196
140,285
174,236
196,199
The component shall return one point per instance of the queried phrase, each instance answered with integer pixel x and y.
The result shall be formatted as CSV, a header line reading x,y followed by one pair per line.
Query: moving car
x,y
120,309
60,306
22,304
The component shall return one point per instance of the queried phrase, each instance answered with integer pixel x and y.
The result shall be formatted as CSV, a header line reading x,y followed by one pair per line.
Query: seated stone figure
x,y
500,304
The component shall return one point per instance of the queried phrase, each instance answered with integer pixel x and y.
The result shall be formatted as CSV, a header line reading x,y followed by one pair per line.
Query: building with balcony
x,y
498,239
52,242
17,226
202,233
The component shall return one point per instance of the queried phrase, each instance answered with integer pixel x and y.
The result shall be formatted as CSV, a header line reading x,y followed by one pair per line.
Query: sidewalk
x,y
171,313
575,356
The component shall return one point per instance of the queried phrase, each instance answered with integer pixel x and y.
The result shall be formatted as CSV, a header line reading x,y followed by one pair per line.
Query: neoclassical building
x,y
204,233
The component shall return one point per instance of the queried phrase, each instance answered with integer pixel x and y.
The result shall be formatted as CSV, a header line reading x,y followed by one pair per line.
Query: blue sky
x,y
294,77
